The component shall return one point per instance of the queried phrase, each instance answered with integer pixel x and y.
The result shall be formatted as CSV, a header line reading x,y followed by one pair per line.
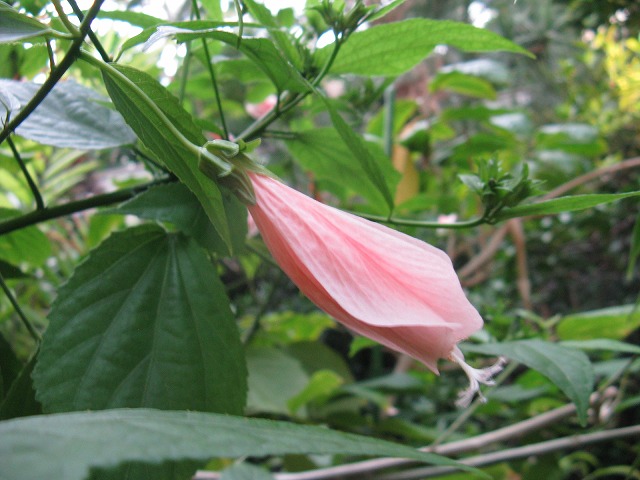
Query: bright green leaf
x,y
261,51
69,445
321,385
563,204
613,322
324,152
393,48
143,322
28,245
603,344
463,84
569,369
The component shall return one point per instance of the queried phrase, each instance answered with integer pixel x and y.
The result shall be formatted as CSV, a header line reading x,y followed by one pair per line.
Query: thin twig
x,y
45,214
55,75
566,443
94,39
32,185
510,432
212,73
16,306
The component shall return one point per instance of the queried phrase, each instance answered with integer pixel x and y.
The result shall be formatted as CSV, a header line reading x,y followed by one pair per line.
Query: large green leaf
x,y
261,51
324,152
15,26
132,91
20,400
70,116
176,204
143,322
614,323
67,446
567,368
563,204
393,48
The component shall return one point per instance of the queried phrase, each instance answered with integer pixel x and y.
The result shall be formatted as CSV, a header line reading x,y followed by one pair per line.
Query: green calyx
x,y
226,163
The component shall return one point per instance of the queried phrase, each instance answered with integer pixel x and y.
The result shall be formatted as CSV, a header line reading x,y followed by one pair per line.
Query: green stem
x,y
256,129
50,213
63,18
421,223
27,175
96,42
55,75
212,74
113,72
32,330
389,111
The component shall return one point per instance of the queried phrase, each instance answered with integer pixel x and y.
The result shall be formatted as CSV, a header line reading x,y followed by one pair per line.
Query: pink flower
x,y
257,110
378,282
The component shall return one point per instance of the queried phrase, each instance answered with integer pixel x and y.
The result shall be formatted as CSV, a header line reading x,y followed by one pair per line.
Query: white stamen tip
x,y
476,377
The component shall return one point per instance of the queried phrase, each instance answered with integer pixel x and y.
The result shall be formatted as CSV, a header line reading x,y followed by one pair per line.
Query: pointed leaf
x,y
569,369
328,157
69,445
131,91
71,116
393,48
563,204
613,322
261,51
143,322
15,26
176,204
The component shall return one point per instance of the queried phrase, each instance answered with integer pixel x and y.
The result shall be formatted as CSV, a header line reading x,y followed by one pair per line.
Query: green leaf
x,y
10,271
603,344
71,116
15,26
246,471
384,10
563,204
28,245
613,323
569,369
131,90
322,384
360,152
69,445
138,19
143,322
261,51
576,138
282,39
393,48
324,152
274,378
463,84
10,366
20,400
634,250
176,204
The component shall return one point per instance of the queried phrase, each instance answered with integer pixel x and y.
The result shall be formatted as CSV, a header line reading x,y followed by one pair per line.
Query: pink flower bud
x,y
378,282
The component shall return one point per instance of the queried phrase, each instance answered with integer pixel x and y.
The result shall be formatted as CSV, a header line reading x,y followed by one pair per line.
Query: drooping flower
x,y
378,282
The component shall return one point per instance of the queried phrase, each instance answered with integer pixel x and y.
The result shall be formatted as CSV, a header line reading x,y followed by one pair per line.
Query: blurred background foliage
x,y
572,111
